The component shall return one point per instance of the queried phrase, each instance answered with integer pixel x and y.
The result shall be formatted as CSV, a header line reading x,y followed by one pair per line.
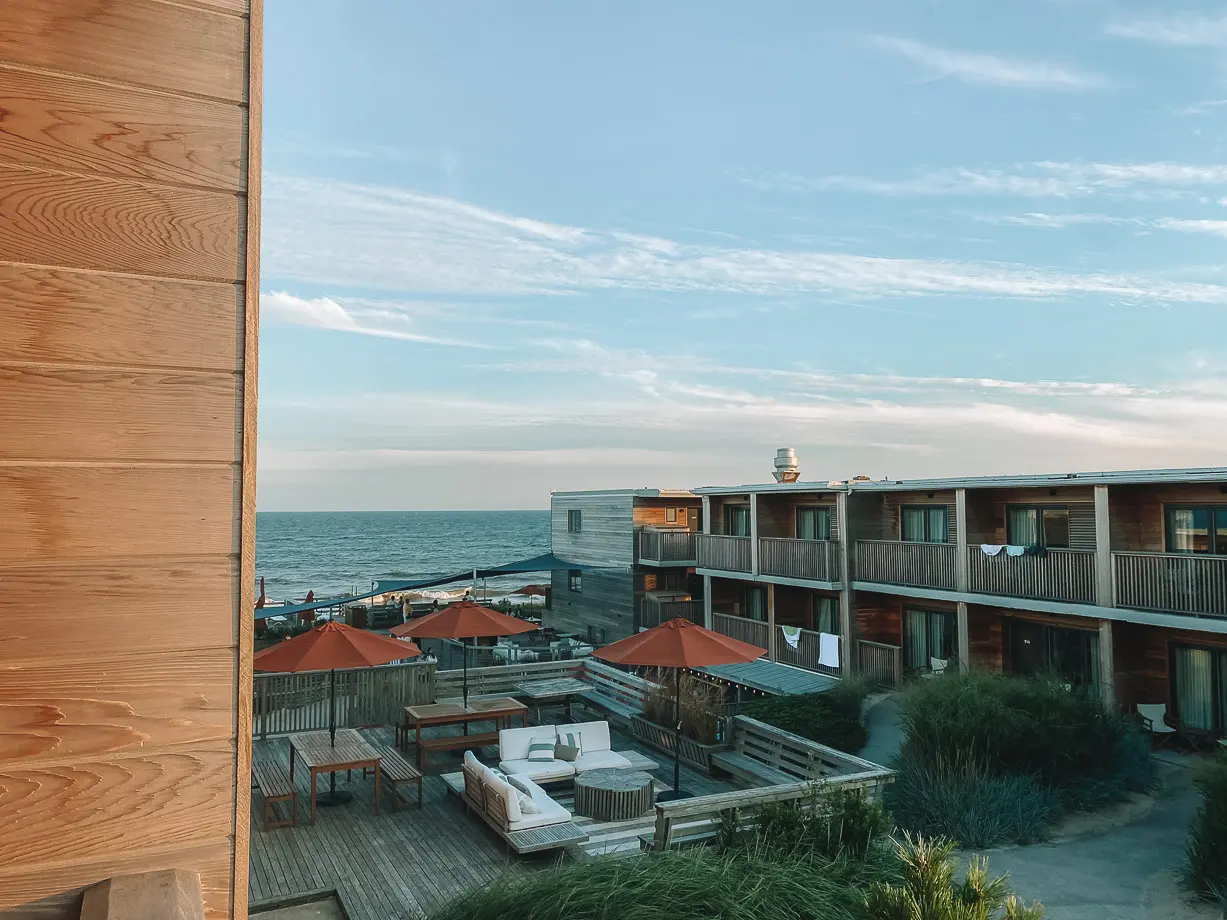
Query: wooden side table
x,y
613,795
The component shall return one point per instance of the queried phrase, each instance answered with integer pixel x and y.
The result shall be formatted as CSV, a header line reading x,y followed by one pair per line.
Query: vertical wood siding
x,y
129,218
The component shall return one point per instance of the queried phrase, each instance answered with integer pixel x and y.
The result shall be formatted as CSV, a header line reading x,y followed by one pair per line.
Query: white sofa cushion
x,y
509,796
600,760
594,736
513,742
551,813
546,770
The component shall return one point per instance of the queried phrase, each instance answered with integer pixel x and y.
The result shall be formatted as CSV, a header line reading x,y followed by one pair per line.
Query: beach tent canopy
x,y
547,562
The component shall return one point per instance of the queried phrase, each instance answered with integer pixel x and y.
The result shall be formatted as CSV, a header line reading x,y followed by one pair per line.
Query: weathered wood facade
x,y
129,286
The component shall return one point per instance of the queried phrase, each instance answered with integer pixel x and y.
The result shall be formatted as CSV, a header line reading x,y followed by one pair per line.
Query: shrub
x,y
1017,726
959,798
702,704
1207,846
834,824
832,717
929,890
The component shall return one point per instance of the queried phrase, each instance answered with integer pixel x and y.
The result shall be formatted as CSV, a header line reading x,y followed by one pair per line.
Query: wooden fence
x,y
881,663
752,631
1061,575
653,612
812,559
1170,582
925,565
805,655
727,554
666,546
502,679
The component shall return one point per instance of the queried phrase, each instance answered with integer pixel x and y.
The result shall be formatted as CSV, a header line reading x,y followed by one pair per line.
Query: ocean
x,y
334,553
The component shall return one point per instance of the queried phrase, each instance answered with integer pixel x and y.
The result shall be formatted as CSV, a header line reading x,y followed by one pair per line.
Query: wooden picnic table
x,y
351,752
542,692
499,710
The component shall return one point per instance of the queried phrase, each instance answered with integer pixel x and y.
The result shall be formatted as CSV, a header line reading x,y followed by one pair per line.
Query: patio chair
x,y
938,665
1154,720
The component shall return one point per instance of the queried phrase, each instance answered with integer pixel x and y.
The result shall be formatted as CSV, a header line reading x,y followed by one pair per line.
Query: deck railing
x,y
925,565
726,554
666,546
805,655
880,663
752,631
653,612
502,679
1171,582
789,558
1061,575
284,703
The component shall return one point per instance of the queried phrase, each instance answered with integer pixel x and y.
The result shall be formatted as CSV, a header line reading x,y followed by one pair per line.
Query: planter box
x,y
662,739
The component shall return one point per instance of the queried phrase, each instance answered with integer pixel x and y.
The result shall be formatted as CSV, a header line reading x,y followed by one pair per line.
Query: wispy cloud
x,y
1190,29
990,69
332,233
388,322
1056,221
1215,227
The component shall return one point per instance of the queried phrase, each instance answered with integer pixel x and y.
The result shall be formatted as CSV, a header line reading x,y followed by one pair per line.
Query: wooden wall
x,y
892,512
986,512
777,514
1143,661
652,511
129,218
1136,512
718,504
607,535
606,602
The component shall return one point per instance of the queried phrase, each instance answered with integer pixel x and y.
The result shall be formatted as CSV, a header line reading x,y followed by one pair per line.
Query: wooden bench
x,y
273,780
617,694
768,756
394,770
454,743
754,772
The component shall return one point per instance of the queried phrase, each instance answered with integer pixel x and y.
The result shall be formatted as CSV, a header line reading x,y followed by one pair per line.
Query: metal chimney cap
x,y
786,469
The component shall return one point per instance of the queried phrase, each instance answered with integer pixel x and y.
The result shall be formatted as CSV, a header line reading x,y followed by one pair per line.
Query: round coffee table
x,y
613,795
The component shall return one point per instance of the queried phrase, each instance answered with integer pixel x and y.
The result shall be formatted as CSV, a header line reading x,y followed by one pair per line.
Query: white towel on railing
x,y
792,635
990,549
828,650
1015,550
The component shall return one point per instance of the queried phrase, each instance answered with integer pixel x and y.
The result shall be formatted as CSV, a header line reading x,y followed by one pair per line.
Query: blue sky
x,y
509,248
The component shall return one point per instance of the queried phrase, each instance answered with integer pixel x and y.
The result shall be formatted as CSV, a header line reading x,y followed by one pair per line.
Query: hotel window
x,y
1197,529
928,634
737,520
1037,525
575,581
670,515
1070,655
756,603
575,521
813,523
1199,683
924,523
826,614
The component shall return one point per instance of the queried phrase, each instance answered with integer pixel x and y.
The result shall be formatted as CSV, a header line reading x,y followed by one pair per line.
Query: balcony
x,y
923,565
814,560
1061,575
653,612
1171,583
880,663
666,547
752,631
725,554
805,655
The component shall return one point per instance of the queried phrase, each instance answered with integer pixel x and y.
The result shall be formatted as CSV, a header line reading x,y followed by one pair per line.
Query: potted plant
x,y
702,710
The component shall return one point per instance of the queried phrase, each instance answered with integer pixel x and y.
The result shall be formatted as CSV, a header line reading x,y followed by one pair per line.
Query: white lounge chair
x,y
1154,720
938,665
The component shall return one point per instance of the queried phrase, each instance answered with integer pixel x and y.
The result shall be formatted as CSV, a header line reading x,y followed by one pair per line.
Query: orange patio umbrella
x,y
327,648
678,644
462,621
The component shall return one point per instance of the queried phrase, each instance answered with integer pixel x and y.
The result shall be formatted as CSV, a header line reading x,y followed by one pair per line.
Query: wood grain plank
x,y
57,122
108,603
72,812
211,858
112,225
143,42
88,318
67,413
101,707
67,513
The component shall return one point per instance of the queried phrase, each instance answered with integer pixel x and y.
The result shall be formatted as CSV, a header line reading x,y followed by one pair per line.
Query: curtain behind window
x,y
1021,527
937,524
813,524
1195,687
826,615
913,525
916,640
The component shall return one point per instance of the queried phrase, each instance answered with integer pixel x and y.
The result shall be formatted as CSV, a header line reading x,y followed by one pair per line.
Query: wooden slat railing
x,y
880,663
789,558
726,554
925,565
752,631
653,612
501,679
1061,575
667,546
1171,583
805,655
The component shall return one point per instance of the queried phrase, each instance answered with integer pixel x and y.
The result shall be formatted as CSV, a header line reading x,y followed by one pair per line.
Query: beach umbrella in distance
x,y
463,621
261,599
330,647
678,644
532,591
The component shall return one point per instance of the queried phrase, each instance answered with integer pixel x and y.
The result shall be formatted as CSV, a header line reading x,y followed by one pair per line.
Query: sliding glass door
x,y
1069,655
1200,687
927,634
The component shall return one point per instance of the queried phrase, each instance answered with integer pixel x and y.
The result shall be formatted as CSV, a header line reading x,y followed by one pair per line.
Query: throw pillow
x,y
570,739
521,782
566,752
527,805
540,751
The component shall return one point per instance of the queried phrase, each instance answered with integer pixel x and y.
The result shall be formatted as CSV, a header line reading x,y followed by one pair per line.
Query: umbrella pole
x,y
332,797
677,740
464,648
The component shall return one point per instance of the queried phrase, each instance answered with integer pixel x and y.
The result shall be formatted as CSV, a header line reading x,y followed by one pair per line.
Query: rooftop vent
x,y
786,465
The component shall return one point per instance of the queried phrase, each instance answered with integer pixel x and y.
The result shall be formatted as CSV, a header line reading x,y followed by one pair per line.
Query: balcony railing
x,y
805,655
925,565
653,612
880,663
752,631
664,546
813,559
1061,575
1171,583
727,554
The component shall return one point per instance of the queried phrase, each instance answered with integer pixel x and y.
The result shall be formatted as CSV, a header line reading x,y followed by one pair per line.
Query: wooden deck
x,y
407,863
